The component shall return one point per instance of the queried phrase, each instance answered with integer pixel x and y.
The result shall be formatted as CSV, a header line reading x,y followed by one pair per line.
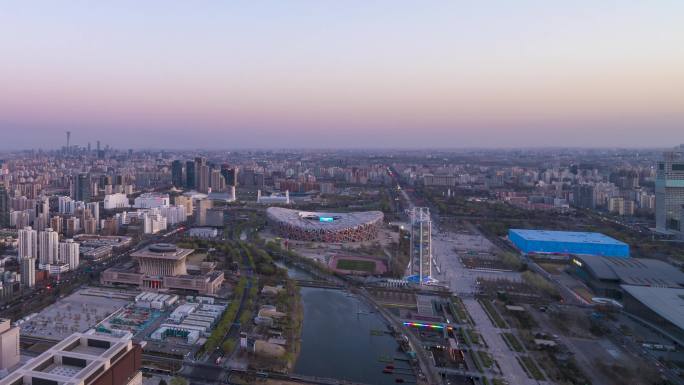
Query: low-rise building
x,y
163,266
567,242
83,359
662,307
606,275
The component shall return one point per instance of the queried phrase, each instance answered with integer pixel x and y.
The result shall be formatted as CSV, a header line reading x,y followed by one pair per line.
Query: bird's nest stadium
x,y
325,227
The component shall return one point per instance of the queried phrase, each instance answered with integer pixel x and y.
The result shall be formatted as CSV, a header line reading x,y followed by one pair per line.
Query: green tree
x,y
179,381
228,346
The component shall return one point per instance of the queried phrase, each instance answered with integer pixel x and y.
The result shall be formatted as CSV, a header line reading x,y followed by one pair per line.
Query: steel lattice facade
x,y
325,227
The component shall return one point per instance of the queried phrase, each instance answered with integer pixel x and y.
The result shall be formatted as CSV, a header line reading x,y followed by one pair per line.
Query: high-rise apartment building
x,y
421,244
41,222
154,223
621,206
583,196
94,208
56,224
110,226
48,242
177,173
202,174
28,271
669,190
190,179
44,205
68,253
4,207
218,182
73,226
260,180
182,200
90,226
105,180
247,177
28,243
65,205
203,178
81,187
230,174
203,206
28,251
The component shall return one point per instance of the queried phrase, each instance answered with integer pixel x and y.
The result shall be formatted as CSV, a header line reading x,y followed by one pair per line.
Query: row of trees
x,y
228,318
259,259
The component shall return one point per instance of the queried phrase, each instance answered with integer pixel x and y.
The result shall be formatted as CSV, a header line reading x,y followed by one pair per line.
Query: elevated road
x,y
319,284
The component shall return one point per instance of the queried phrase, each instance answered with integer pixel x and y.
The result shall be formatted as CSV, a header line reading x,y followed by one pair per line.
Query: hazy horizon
x,y
352,149
358,74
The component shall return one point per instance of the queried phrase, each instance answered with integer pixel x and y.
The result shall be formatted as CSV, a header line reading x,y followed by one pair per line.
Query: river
x,y
295,272
343,338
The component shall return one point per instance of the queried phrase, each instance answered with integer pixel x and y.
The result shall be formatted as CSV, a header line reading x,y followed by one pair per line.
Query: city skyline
x,y
367,75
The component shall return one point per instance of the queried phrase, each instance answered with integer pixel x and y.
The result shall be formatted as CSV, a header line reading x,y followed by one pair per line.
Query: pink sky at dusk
x,y
348,74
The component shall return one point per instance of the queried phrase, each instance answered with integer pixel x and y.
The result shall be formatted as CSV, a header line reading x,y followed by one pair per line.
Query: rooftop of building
x,y
566,236
667,302
72,361
209,276
195,194
77,312
162,251
633,271
153,194
323,220
114,240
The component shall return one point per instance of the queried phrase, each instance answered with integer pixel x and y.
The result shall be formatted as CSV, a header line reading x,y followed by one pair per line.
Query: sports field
x,y
356,265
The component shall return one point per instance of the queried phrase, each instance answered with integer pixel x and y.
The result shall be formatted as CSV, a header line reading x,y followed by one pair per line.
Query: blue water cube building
x,y
567,242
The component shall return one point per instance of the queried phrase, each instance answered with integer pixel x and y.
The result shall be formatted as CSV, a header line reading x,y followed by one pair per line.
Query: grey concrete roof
x,y
634,271
665,301
175,253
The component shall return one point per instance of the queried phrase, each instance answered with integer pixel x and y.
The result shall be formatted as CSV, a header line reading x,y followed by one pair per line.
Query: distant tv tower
x,y
68,139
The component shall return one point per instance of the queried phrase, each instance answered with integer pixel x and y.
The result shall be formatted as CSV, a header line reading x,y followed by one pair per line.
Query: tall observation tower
x,y
421,245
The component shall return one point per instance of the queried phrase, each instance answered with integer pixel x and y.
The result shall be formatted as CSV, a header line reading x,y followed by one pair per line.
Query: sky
x,y
353,74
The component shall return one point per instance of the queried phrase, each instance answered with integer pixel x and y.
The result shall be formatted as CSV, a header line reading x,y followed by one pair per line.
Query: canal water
x,y
343,338
294,272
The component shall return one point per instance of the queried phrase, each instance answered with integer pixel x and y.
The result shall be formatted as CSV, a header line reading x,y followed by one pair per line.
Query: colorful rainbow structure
x,y
422,325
